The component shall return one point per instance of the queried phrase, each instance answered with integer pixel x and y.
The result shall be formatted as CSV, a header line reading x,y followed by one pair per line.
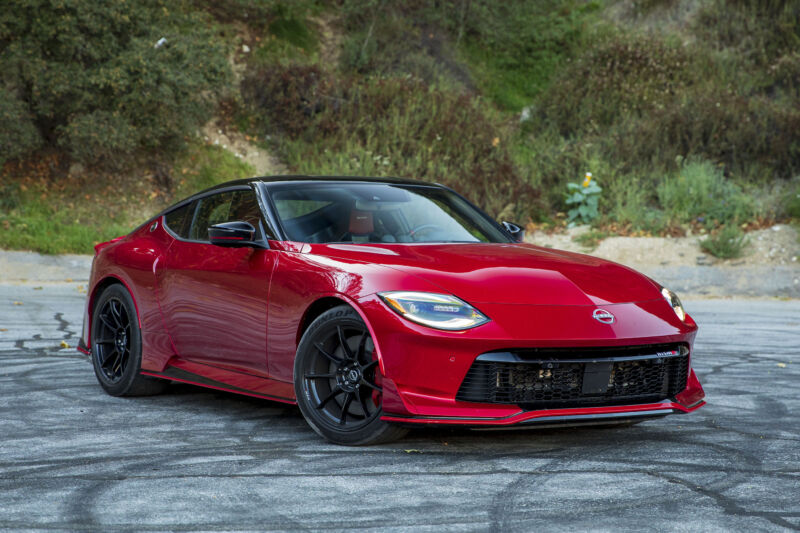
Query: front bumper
x,y
423,368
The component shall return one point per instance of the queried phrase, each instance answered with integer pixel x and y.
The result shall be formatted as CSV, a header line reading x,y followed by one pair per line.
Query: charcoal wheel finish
x,y
338,383
117,346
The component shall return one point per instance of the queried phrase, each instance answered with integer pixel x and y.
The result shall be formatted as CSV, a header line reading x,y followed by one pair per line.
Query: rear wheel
x,y
338,383
117,346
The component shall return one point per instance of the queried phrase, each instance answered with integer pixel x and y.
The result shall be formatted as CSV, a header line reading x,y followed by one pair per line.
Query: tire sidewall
x,y
135,357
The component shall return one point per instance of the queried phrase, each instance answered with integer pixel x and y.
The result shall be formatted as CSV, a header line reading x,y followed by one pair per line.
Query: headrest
x,y
361,222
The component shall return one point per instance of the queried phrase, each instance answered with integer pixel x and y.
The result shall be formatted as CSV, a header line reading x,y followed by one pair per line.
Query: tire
x,y
337,381
117,346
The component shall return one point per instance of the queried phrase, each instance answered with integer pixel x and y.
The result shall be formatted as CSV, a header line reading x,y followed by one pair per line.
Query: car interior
x,y
367,215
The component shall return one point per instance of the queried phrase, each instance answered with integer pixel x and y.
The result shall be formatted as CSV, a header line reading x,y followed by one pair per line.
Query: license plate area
x,y
596,377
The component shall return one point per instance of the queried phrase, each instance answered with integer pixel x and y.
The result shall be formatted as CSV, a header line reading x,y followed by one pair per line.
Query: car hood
x,y
503,273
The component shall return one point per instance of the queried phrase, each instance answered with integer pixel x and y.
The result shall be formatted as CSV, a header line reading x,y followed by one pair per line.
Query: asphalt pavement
x,y
73,458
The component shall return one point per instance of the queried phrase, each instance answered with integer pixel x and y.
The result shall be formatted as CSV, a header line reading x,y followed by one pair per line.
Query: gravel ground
x,y
73,458
769,266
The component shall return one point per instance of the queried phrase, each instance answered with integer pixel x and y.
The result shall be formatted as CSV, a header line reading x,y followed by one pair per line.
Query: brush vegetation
x,y
687,112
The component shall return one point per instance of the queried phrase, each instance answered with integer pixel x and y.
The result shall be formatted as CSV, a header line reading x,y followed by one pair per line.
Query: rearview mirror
x,y
517,233
233,234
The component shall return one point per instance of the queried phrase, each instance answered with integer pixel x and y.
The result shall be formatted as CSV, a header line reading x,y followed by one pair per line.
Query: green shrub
x,y
701,193
631,203
512,48
792,200
392,126
204,166
616,78
757,30
18,133
583,200
94,80
590,239
256,13
728,243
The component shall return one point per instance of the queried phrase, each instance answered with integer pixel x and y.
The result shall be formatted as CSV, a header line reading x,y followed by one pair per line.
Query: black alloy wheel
x,y
113,343
117,346
338,382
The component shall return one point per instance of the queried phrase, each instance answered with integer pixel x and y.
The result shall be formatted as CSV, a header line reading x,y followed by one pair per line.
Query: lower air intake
x,y
550,378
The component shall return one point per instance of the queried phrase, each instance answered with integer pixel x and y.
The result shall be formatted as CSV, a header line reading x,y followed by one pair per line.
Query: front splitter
x,y
555,417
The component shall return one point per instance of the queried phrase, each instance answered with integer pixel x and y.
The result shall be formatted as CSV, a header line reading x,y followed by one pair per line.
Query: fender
x,y
355,305
93,298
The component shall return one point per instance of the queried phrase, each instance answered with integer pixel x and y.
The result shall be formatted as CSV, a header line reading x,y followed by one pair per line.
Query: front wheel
x,y
117,346
337,381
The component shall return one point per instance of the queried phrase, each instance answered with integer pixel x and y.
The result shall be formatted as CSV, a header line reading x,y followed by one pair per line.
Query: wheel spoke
x,y
319,376
108,358
369,365
117,366
322,350
115,314
345,407
348,353
329,397
363,406
371,386
106,323
104,341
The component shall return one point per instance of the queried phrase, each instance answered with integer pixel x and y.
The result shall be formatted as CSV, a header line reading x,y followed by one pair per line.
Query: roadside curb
x,y
779,281
782,281
36,267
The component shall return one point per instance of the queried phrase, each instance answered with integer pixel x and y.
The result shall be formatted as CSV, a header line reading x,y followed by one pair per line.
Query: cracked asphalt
x,y
73,458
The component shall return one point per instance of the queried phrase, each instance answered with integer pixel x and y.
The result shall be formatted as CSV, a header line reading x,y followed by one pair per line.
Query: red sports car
x,y
378,304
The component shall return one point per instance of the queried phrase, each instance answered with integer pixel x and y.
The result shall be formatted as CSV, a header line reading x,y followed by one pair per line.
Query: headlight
x,y
673,300
440,311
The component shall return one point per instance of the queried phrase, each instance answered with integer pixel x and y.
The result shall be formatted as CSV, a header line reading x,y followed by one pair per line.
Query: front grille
x,y
536,379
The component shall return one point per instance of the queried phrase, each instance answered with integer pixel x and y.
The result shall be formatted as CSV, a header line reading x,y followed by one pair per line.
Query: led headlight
x,y
440,311
673,300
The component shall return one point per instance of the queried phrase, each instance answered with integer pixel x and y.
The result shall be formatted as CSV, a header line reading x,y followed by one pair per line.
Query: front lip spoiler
x,y
527,419
586,420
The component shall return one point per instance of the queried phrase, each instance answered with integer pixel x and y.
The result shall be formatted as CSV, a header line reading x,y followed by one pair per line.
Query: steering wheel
x,y
423,227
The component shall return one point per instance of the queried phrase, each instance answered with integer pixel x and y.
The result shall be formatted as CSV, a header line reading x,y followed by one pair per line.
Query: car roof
x,y
283,178
304,177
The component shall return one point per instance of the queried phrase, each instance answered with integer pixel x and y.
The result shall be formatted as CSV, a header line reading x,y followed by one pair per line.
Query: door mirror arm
x,y
517,232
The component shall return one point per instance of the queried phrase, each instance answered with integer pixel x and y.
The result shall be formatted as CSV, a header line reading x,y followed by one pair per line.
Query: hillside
x,y
686,113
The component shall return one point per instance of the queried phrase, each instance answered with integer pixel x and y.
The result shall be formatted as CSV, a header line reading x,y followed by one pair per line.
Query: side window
x,y
226,207
179,219
210,210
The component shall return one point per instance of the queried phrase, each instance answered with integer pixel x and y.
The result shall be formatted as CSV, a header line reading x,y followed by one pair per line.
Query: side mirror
x,y
517,233
233,234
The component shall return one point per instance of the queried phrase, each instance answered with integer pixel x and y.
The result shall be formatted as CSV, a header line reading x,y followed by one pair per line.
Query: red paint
x,y
234,314
99,246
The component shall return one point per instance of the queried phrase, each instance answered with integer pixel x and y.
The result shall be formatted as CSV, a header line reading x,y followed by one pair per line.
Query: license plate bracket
x,y
596,377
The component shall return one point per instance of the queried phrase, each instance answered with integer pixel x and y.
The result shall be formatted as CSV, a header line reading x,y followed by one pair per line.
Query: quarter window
x,y
178,220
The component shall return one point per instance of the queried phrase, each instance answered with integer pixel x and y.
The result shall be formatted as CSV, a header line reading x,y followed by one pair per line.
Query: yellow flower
x,y
588,179
495,142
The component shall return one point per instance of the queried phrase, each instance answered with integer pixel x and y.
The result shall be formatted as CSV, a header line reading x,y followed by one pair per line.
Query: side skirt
x,y
245,384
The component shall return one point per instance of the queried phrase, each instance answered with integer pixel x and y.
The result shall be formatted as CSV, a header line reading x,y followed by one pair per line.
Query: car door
x,y
214,298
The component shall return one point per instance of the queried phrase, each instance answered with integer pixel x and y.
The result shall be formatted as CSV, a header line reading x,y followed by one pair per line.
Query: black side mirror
x,y
517,233
233,234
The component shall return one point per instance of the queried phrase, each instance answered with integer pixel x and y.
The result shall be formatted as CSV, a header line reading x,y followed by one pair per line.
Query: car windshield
x,y
378,212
